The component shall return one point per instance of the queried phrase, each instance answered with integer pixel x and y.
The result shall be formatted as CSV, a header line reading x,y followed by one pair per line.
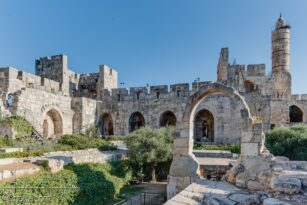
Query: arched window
x,y
204,126
168,118
295,114
249,86
106,124
9,101
136,121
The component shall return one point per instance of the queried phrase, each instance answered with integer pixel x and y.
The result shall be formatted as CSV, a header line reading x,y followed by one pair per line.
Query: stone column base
x,y
177,184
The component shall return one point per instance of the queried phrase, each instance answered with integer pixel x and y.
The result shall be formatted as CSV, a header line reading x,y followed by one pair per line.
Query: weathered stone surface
x,y
286,185
272,201
254,185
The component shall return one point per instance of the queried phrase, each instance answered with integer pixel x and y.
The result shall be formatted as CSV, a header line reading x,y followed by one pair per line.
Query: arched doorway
x,y
204,126
249,86
168,118
136,121
106,125
295,114
52,124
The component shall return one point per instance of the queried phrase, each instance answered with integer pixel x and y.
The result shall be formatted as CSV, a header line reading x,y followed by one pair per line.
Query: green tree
x,y
289,142
147,148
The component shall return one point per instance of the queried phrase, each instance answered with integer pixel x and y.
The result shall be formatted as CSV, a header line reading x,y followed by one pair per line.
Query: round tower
x,y
281,46
281,75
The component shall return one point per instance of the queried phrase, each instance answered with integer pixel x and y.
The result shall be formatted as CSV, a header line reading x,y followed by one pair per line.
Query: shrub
x,y
76,184
288,142
92,131
147,148
6,141
85,142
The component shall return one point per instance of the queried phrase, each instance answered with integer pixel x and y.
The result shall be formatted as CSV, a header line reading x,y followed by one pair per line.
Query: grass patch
x,y
76,184
235,148
20,125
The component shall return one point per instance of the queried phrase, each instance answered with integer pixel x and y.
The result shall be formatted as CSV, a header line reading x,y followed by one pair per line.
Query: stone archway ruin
x,y
52,124
185,168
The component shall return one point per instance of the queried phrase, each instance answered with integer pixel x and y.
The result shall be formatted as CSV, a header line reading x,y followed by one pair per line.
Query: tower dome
x,y
280,22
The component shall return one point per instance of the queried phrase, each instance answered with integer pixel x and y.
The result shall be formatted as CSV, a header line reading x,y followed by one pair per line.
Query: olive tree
x,y
147,148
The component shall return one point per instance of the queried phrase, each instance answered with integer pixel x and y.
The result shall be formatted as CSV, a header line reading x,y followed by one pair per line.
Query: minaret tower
x,y
281,59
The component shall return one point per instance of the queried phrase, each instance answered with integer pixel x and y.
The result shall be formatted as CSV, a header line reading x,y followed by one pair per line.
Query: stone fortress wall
x,y
58,101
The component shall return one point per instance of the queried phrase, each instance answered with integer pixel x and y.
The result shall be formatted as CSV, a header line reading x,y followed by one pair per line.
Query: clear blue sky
x,y
151,41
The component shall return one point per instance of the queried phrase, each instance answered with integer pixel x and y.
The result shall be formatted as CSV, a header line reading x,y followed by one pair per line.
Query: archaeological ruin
x,y
239,107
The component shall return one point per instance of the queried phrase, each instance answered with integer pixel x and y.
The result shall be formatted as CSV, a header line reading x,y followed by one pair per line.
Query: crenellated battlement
x,y
18,80
256,70
301,97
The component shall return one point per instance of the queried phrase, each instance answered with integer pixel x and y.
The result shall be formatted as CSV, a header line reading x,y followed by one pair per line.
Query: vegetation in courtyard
x,y
76,184
85,142
235,148
66,143
20,125
148,149
92,131
289,142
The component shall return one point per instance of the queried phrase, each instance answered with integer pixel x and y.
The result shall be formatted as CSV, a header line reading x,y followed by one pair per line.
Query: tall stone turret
x,y
222,67
281,59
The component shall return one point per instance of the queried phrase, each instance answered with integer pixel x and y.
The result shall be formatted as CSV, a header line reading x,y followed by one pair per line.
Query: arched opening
x,y
77,123
9,100
136,121
204,126
249,86
106,125
168,118
53,124
295,114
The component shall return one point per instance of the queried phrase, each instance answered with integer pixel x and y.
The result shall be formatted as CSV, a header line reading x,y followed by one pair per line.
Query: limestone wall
x,y
34,105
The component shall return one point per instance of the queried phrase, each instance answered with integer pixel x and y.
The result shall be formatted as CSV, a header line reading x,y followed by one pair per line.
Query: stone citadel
x,y
58,101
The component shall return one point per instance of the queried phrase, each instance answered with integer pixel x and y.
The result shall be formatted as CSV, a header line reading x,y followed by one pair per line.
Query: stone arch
x,y
136,121
77,123
184,169
204,126
249,86
186,128
106,125
53,123
295,114
167,118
